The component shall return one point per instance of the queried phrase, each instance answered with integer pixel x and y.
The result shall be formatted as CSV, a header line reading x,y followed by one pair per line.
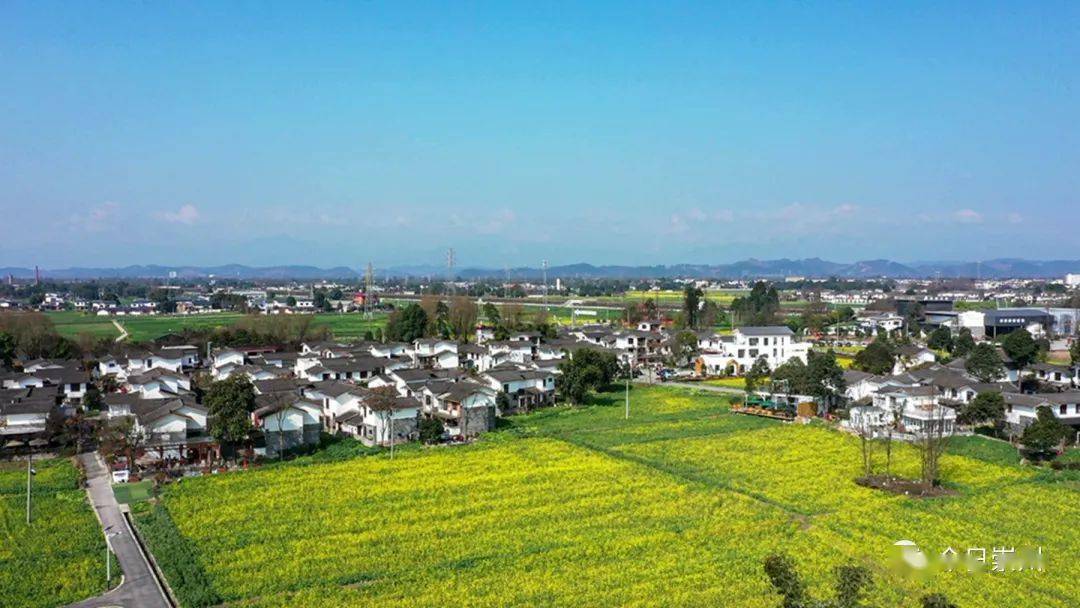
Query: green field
x,y
72,324
57,559
676,506
147,328
130,493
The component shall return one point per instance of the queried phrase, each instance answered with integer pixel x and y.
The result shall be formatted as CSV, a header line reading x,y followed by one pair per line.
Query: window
x,y
1064,409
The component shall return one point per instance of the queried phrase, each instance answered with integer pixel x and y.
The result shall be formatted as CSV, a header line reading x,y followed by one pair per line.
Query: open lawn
x,y
676,506
130,493
147,328
71,324
59,557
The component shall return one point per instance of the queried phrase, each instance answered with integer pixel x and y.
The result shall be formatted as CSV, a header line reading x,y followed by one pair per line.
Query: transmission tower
x,y
369,283
450,268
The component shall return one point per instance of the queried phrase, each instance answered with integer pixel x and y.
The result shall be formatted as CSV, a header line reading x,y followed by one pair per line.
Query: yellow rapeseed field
x,y
676,507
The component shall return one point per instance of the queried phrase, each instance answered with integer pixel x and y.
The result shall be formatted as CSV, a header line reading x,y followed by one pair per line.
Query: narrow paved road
x,y
123,332
140,588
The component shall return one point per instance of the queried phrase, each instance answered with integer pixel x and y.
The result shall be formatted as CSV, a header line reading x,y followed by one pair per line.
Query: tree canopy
x,y
877,358
757,372
1020,346
984,363
588,370
230,403
986,407
1043,436
407,324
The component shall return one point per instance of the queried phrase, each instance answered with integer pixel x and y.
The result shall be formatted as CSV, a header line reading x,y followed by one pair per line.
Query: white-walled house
x,y
286,421
911,357
380,421
467,408
738,352
158,383
1022,409
525,388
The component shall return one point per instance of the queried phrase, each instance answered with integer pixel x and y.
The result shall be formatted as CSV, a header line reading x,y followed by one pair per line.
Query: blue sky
x,y
608,132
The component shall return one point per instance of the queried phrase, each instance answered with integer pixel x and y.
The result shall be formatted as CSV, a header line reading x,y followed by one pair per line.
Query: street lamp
x,y
108,558
30,472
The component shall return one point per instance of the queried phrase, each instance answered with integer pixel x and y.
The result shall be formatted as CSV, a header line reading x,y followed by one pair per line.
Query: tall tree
x,y
407,324
588,370
984,363
877,358
1045,435
229,403
462,318
7,348
692,296
986,407
940,339
825,378
757,372
1020,346
963,344
1074,352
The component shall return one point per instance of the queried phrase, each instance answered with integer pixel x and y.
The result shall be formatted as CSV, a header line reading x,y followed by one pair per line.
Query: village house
x,y
526,389
1022,409
738,352
286,421
466,408
382,420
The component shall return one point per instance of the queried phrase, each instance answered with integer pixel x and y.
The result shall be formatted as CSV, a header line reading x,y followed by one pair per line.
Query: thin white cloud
x,y
186,214
99,218
968,216
1015,218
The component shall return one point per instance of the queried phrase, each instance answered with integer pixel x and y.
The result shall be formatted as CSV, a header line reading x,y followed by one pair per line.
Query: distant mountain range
x,y
752,268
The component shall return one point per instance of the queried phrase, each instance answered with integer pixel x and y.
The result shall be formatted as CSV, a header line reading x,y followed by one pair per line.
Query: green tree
x,y
786,581
984,363
1074,352
1044,436
937,600
1021,347
685,347
825,378
431,430
940,339
7,348
588,370
691,305
877,358
491,314
229,403
963,344
792,377
757,372
290,301
986,407
407,324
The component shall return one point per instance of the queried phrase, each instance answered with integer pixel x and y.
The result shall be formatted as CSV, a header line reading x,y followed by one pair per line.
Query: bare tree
x,y
865,433
931,441
463,316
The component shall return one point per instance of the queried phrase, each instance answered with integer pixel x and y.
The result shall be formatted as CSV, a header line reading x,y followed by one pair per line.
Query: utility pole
x,y
544,265
29,487
108,558
391,433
